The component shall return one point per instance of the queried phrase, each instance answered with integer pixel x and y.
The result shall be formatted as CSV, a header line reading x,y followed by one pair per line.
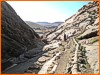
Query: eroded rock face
x,y
17,36
83,22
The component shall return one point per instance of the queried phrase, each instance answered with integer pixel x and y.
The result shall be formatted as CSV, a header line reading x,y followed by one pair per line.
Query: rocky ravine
x,y
17,38
73,46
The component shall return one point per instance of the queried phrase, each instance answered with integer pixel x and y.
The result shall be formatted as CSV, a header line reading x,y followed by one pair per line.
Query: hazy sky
x,y
45,11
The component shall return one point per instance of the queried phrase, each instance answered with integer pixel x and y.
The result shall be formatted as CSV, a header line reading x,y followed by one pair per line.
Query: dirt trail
x,y
62,62
64,59
74,50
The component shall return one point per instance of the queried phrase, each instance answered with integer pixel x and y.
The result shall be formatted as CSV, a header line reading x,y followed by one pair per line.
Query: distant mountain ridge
x,y
47,24
42,27
34,25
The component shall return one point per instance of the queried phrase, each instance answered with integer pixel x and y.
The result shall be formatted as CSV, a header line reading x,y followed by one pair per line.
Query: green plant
x,y
94,40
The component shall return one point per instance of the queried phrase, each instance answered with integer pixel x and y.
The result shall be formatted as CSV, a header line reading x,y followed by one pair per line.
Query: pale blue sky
x,y
46,11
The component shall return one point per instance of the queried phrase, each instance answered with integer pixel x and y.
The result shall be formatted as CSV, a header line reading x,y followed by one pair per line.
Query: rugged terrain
x,y
72,48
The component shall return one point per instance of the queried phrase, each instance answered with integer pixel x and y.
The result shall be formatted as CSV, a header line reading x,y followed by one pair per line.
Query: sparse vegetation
x,y
94,40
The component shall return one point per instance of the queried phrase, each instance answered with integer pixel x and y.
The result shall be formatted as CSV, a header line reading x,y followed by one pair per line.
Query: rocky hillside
x,y
73,46
17,36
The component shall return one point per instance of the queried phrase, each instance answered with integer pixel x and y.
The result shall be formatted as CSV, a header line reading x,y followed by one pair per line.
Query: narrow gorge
x,y
70,48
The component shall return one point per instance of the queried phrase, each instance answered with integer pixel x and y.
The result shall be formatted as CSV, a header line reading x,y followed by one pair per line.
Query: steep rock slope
x,y
73,46
17,36
85,21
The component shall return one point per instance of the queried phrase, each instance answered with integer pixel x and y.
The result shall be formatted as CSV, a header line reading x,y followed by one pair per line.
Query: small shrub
x,y
94,40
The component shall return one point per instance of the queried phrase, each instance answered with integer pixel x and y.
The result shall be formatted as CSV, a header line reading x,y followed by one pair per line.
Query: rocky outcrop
x,y
17,36
84,22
